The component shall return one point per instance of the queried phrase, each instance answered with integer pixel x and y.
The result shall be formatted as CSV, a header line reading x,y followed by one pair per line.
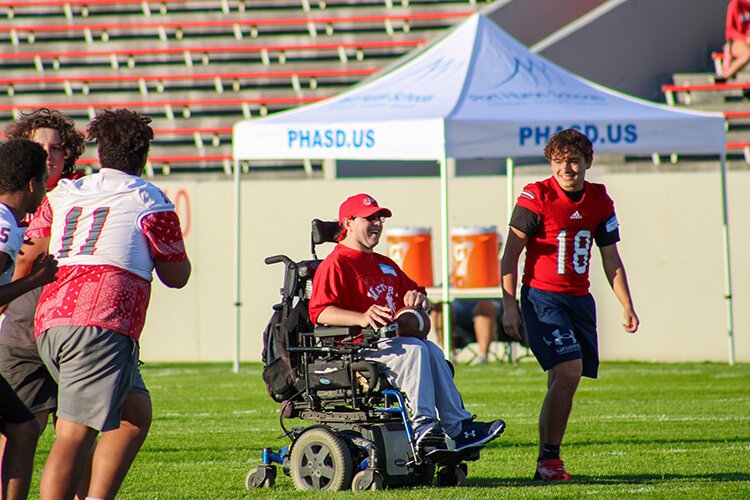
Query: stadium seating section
x,y
708,92
198,66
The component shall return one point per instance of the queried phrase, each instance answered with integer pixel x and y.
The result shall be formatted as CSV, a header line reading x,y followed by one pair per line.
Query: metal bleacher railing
x,y
264,53
684,93
239,27
139,83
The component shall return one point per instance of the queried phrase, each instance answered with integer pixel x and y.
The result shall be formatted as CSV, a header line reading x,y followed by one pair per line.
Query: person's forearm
x,y
335,316
619,283
509,282
14,289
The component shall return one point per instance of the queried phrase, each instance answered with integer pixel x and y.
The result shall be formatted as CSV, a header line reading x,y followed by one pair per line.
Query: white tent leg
x,y
510,172
445,257
510,192
727,257
237,279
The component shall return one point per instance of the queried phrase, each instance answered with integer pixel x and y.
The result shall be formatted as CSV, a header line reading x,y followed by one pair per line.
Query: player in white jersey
x,y
23,174
110,230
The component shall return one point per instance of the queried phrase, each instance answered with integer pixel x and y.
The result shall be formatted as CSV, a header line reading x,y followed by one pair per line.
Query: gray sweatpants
x,y
419,370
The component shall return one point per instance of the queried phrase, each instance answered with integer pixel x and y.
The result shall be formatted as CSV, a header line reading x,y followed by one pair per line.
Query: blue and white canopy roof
x,y
475,93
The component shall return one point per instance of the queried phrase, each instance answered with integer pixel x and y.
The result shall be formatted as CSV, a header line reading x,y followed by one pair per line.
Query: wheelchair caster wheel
x,y
426,472
452,476
367,480
263,476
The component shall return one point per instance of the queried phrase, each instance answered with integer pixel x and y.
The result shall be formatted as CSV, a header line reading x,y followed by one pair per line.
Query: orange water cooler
x,y
474,257
411,249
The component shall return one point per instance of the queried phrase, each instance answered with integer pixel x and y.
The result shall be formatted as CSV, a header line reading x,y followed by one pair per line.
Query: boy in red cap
x,y
355,286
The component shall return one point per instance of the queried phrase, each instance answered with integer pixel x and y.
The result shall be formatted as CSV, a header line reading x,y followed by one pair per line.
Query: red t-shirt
x,y
738,20
355,280
558,255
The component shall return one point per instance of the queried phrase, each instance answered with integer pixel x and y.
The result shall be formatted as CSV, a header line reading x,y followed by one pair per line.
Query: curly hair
x,y
73,141
566,142
21,160
124,137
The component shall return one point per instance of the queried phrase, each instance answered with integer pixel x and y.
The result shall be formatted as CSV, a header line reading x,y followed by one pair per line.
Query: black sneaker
x,y
429,436
478,433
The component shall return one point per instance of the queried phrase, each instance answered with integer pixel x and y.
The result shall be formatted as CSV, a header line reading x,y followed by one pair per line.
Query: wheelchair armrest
x,y
367,333
322,331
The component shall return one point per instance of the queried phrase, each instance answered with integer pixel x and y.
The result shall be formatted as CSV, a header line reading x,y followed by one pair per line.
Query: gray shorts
x,y
94,369
28,376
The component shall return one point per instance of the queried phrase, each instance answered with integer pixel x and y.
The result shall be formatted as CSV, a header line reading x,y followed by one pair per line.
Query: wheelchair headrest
x,y
325,231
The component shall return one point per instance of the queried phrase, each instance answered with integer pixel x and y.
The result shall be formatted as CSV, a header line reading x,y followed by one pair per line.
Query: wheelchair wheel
x,y
367,480
452,475
426,473
320,460
263,476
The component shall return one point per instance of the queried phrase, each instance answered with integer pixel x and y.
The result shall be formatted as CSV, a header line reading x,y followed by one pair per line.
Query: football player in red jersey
x,y
557,221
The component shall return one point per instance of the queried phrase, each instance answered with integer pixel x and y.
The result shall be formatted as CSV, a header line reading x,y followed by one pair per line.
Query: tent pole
x,y
510,178
727,256
445,258
237,279
510,173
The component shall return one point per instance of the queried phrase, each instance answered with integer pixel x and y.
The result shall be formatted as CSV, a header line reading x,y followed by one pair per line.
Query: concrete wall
x,y
514,16
672,247
634,47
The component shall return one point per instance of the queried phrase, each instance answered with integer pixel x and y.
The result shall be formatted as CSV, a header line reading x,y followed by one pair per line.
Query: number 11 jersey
x,y
558,254
97,221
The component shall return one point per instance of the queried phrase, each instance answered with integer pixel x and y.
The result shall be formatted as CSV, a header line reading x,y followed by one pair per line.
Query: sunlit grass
x,y
643,429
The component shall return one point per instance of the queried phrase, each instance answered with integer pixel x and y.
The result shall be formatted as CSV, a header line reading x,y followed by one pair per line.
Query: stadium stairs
x,y
707,92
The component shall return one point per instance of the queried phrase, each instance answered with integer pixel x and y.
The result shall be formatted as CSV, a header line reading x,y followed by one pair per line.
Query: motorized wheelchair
x,y
361,436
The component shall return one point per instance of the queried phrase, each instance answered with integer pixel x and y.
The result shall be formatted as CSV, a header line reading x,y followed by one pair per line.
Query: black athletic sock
x,y
550,451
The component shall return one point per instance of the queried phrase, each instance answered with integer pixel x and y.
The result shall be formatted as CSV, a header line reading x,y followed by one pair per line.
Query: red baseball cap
x,y
359,205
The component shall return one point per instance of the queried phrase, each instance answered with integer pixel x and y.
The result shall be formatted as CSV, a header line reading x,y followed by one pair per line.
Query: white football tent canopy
x,y
477,93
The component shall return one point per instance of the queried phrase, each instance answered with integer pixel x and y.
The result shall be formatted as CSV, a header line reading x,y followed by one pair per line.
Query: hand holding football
x,y
413,323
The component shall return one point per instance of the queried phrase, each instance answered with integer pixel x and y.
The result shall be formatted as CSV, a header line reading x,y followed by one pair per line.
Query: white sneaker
x,y
428,436
480,359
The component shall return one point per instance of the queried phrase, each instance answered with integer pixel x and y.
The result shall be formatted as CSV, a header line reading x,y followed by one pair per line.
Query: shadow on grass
x,y
726,477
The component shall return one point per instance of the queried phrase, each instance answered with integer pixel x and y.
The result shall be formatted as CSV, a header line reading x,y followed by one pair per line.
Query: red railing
x,y
315,73
219,23
216,49
51,3
62,106
670,90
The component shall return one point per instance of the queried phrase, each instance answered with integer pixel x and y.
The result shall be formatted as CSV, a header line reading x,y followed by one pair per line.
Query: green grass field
x,y
648,430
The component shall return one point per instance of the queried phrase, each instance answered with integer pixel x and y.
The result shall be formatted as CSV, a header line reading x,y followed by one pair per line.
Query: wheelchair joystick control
x,y
387,331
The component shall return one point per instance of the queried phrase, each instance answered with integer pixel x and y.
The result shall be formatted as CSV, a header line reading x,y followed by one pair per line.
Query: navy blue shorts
x,y
561,328
463,313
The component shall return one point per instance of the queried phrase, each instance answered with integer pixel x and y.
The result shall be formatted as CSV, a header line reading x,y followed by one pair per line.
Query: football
x,y
413,323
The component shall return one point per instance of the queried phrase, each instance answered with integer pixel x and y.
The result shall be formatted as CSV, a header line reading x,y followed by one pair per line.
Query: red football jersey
x,y
558,255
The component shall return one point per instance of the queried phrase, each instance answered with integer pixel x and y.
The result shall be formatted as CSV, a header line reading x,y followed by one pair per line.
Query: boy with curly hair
x,y
558,221
19,360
